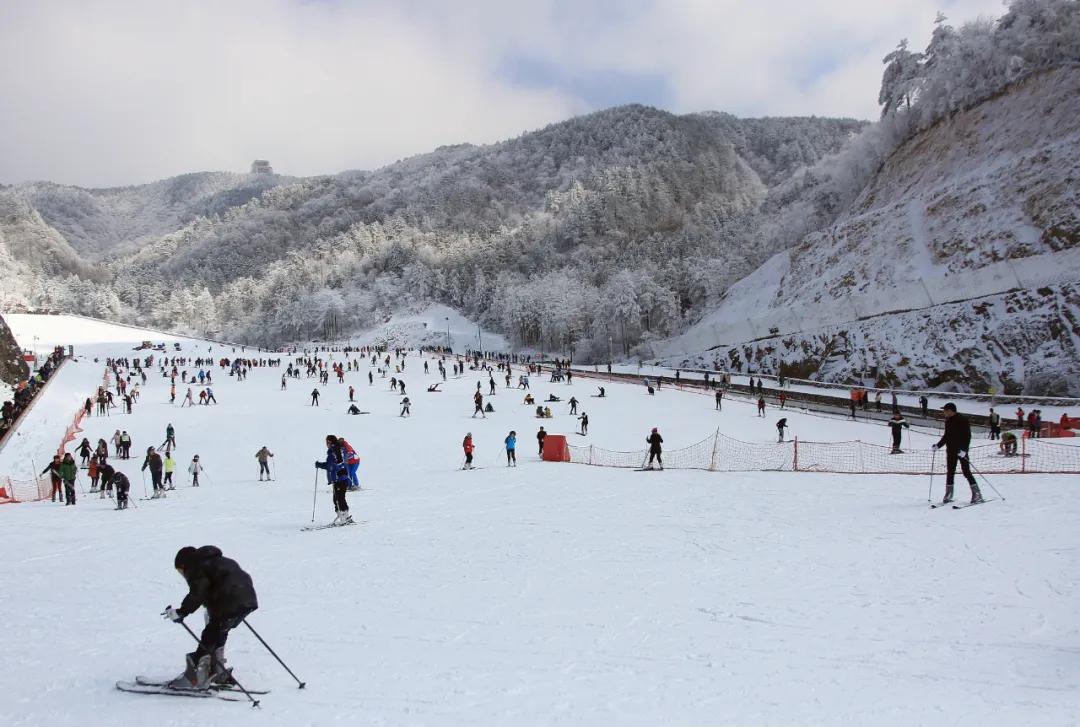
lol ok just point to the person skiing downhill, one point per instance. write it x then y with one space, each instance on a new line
314 397
170 468
654 440
226 591
957 440
264 455
194 469
780 427
584 418
337 474
153 461
467 445
511 447
897 424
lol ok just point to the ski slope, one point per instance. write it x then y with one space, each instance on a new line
548 594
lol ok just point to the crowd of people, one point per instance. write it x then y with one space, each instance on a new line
23 392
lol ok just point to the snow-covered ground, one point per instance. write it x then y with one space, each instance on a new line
546 594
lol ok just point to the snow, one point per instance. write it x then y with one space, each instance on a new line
542 595
431 326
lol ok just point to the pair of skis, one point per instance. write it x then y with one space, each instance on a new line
962 505
327 526
145 685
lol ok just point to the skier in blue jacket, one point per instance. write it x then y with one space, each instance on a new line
511 449
337 474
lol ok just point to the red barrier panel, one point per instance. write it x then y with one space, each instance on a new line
555 449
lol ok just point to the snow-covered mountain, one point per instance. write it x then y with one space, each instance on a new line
958 263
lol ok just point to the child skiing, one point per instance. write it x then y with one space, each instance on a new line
467 445
337 474
194 469
511 446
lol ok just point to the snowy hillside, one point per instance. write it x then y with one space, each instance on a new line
966 240
545 594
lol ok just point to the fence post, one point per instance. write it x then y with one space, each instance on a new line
796 464
1023 454
590 453
712 458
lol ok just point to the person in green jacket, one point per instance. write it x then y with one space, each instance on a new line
68 471
170 467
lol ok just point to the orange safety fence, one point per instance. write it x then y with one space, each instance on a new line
720 453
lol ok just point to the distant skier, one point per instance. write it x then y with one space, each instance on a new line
540 437
337 474
153 461
761 406
924 403
511 447
169 467
264 455
584 418
353 409
170 437
995 424
957 440
780 427
897 424
405 408
68 471
194 469
352 392
478 402
1008 444
222 587
352 461
573 405
314 397
654 440
719 399
467 445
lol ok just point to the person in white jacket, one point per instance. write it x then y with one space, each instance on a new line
194 469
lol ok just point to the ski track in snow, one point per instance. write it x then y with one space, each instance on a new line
549 594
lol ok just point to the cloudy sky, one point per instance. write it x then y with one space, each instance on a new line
112 92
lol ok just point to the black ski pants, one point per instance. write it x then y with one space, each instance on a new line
216 633
951 458
655 454
340 505
264 468
896 439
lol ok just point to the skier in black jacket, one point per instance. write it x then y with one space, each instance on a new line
221 586
897 424
654 441
956 441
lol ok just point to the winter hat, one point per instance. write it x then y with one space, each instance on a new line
185 557
654 429
949 407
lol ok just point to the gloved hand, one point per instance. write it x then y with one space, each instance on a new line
935 447
171 614
962 454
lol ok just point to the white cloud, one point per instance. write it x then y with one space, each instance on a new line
113 92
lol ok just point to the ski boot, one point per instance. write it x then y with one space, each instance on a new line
976 496
196 674
221 675
948 495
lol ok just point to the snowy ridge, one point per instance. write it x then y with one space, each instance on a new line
978 208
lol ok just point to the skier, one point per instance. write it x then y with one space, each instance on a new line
573 405
405 407
782 398
478 401
654 440
353 409
153 461
337 474
467 445
924 403
602 393
113 479
222 587
194 469
540 437
264 455
584 423
995 424
210 395
1019 418
352 460
283 383
352 391
68 471
170 467
84 451
188 400
314 397
1008 444
170 437
511 447
897 424
761 406
719 399
780 427
53 468
93 473
956 440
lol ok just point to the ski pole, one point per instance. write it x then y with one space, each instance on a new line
929 493
988 482
315 495
274 654
254 702
144 484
